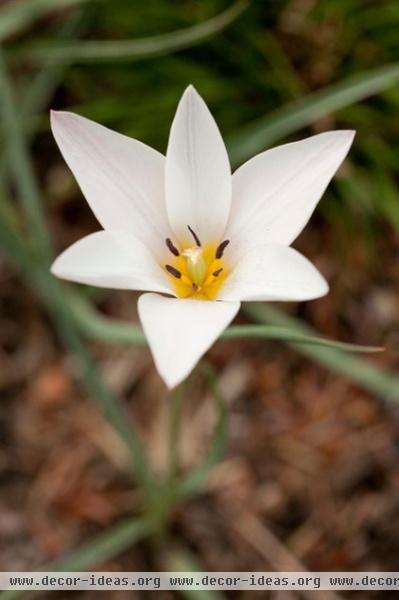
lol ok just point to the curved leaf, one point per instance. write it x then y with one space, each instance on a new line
93 324
19 14
375 379
107 545
263 132
111 50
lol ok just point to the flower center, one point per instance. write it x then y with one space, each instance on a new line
197 271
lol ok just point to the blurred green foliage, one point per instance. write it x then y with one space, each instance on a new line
273 54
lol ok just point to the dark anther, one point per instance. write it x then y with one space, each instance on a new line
195 236
221 248
173 271
171 247
217 272
194 286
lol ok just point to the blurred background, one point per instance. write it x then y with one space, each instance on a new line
310 476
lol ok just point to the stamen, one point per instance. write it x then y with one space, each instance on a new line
198 269
221 248
195 236
171 247
175 272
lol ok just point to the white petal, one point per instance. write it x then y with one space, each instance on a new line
112 260
275 193
198 175
121 178
273 273
180 331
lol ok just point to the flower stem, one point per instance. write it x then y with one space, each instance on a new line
193 482
176 405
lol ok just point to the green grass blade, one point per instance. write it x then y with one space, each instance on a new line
20 165
181 559
100 327
10 240
104 50
43 285
286 334
376 380
48 287
44 83
42 87
19 14
263 132
107 545
97 326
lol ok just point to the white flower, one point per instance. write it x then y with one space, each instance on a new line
184 227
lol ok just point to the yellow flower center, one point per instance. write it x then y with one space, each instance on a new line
197 271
